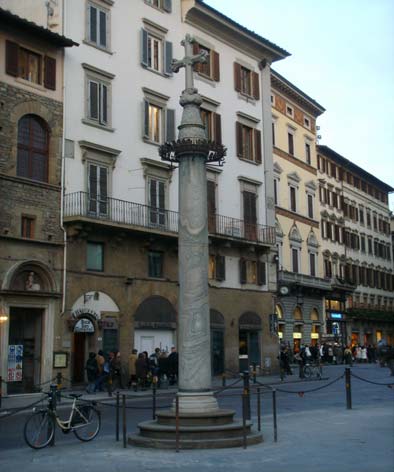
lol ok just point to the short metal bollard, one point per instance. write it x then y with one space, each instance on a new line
348 385
247 393
176 423
124 420
258 410
223 379
244 413
154 387
1 388
117 416
254 372
274 415
52 406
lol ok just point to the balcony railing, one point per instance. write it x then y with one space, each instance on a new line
144 216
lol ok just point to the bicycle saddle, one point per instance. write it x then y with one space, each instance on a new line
76 395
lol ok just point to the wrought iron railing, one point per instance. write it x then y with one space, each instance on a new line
144 216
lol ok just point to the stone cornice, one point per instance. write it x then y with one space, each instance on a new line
294 160
33 183
296 217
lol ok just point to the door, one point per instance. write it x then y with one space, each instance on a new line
25 336
157 202
250 215
98 190
249 345
79 358
217 352
211 200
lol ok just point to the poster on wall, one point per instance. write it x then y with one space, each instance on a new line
15 359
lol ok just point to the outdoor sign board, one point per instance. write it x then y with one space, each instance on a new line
15 360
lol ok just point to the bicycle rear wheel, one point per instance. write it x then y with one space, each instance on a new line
89 425
39 430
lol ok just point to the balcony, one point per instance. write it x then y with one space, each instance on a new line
302 280
79 206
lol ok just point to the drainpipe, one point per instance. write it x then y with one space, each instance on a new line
63 175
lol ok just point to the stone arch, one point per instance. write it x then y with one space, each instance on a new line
157 312
279 311
297 313
314 314
216 319
249 320
30 276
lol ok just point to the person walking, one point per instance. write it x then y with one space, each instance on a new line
91 372
132 372
101 374
141 370
348 356
116 371
173 366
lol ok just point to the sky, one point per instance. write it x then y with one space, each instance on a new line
342 55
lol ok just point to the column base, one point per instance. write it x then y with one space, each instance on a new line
196 402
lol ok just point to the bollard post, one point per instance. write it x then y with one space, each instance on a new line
154 385
247 393
59 386
274 415
124 420
244 413
258 409
117 416
109 385
1 388
348 386
223 379
177 423
52 406
254 372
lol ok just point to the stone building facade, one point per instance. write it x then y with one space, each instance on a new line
31 239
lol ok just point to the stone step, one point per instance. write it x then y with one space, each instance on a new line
152 429
218 443
220 417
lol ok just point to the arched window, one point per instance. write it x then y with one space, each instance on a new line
279 311
33 139
297 314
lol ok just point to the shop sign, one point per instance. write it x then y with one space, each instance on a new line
297 335
314 335
336 316
85 311
15 359
83 326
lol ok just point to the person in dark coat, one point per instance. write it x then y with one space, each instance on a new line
91 372
173 366
141 371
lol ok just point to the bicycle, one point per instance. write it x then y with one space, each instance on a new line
84 421
312 370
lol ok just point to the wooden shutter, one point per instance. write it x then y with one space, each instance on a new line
196 50
92 181
295 260
103 104
93 100
170 125
168 58
255 85
161 202
261 273
242 271
103 200
237 77
257 146
50 73
218 128
145 119
220 263
167 6
93 24
144 47
238 136
216 66
11 58
103 28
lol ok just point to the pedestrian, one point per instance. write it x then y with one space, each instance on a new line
348 356
101 374
116 371
91 372
330 354
358 354
141 370
364 355
163 369
173 366
132 373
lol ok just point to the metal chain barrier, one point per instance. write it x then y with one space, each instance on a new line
390 385
302 392
17 410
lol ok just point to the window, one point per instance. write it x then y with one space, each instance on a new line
370 246
156 53
159 122
165 5
293 198
276 191
248 143
213 126
335 200
155 264
98 26
210 69
252 272
250 214
27 227
308 153
362 243
310 205
33 144
361 215
327 268
307 122
217 268
368 218
97 189
95 256
98 97
290 141
157 193
30 65
294 258
246 82
273 132
289 110
312 264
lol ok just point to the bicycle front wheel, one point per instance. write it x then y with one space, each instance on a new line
89 426
307 372
39 430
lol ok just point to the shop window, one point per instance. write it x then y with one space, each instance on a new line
27 227
95 256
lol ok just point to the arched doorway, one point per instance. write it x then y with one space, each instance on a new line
155 325
315 333
217 342
249 337
281 322
298 329
84 329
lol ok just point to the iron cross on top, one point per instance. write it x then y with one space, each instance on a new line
189 60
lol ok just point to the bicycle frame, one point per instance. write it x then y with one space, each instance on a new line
66 424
